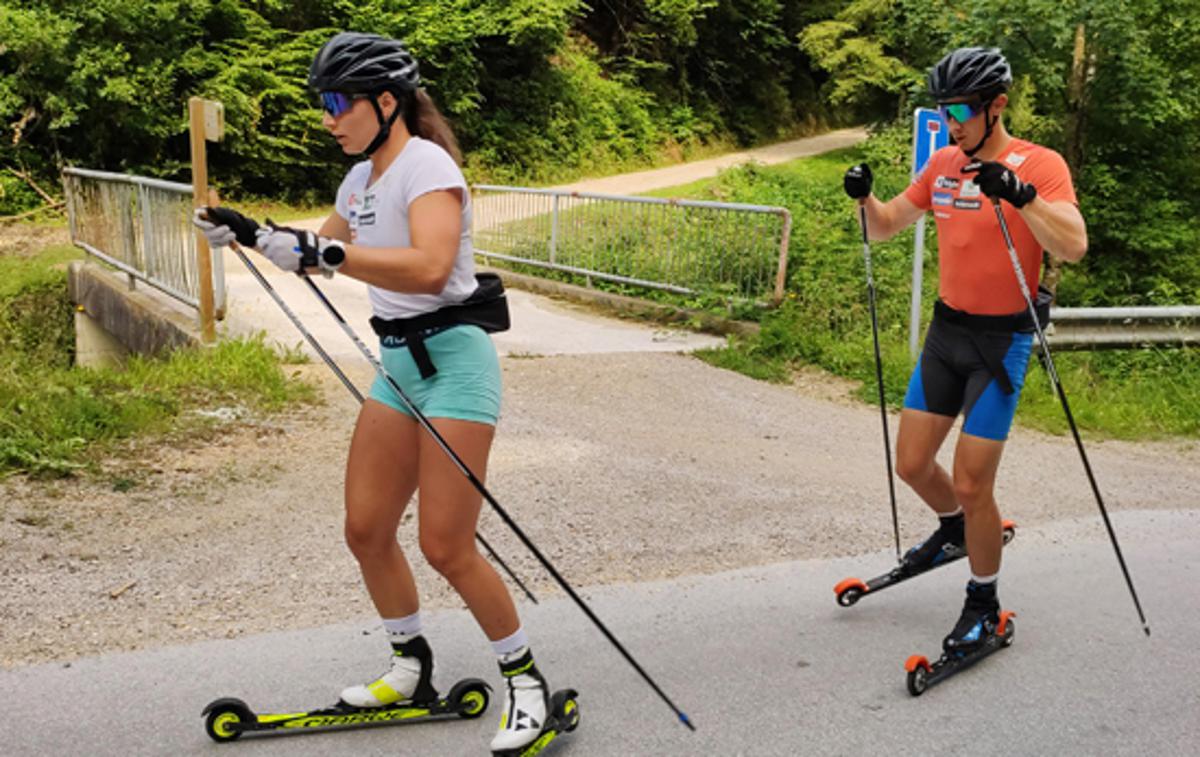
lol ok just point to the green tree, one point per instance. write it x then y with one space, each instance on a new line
536 89
1113 85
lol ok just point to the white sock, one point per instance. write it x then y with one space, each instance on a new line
956 513
984 580
514 642
401 630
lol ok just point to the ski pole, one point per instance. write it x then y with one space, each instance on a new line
1062 397
352 388
479 487
887 442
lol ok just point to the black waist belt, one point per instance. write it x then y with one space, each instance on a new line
977 326
487 308
1021 321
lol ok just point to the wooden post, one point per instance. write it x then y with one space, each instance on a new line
785 237
208 324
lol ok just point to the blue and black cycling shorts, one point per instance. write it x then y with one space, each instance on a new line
973 365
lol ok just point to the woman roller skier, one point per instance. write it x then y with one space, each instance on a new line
402 225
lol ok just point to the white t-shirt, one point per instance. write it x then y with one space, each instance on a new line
378 217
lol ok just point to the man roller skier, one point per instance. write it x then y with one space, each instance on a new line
978 345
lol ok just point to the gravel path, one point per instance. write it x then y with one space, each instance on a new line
619 466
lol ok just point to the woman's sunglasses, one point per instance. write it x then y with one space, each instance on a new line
960 112
337 103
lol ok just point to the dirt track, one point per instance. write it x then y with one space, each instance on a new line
622 467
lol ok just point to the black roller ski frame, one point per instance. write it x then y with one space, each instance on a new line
227 719
563 718
922 675
850 590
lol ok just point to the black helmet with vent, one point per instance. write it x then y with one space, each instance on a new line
357 63
981 71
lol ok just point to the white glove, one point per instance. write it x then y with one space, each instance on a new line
219 235
280 247
293 249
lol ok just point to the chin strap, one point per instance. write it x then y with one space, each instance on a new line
988 121
385 125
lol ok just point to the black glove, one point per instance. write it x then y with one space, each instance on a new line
1000 183
224 225
857 181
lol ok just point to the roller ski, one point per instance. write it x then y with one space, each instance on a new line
943 547
981 630
404 694
532 717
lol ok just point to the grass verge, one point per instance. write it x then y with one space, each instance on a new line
824 319
56 419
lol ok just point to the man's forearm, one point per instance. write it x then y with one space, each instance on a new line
1058 227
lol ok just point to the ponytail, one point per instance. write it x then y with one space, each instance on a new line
424 120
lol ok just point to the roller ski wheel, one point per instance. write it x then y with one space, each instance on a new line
470 697
563 718
922 674
227 719
850 590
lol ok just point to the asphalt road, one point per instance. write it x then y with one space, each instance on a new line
763 660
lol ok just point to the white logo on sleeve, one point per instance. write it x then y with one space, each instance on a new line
1014 159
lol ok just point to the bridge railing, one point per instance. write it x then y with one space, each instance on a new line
143 227
682 246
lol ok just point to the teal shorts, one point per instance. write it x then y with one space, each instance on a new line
466 385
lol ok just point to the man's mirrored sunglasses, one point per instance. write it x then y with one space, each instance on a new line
960 112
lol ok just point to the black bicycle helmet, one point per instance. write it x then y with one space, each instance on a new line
368 64
981 71
357 63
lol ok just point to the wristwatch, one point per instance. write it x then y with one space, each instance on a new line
332 257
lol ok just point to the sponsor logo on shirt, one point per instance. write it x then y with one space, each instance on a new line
1014 159
940 214
367 201
942 198
368 219
945 182
353 200
969 189
968 204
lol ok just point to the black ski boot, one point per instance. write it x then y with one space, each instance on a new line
978 622
948 541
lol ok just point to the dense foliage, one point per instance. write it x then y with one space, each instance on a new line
537 89
540 90
1113 85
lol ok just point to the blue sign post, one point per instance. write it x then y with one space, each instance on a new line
929 135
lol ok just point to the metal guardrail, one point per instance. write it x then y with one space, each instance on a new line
683 246
1122 328
143 227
